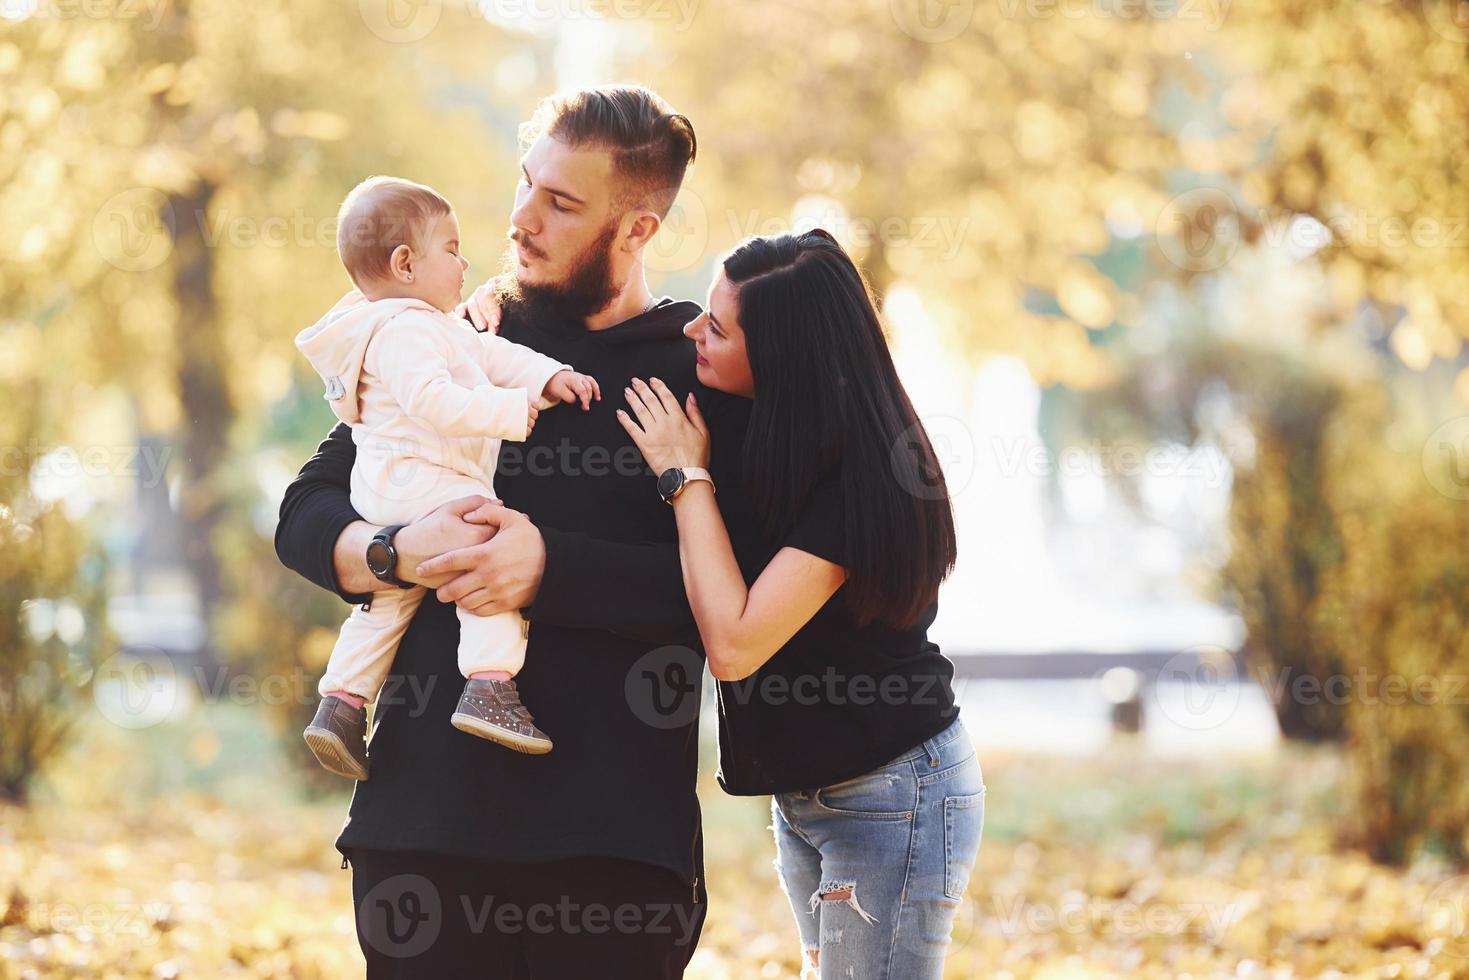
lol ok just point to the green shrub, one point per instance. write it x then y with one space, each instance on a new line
52 632
1398 609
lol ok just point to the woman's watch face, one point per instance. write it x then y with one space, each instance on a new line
669 481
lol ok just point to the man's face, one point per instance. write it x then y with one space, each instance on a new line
563 210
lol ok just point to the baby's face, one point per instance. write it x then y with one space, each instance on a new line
438 274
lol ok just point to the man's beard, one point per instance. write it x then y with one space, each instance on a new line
587 289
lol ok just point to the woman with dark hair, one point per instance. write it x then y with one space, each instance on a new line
814 604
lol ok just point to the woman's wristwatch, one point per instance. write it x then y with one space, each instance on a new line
672 481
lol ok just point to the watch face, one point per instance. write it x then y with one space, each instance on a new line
379 558
669 482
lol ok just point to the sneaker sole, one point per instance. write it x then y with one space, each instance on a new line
509 739
332 753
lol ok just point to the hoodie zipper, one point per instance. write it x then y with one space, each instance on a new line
694 847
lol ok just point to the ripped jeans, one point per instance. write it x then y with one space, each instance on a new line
891 851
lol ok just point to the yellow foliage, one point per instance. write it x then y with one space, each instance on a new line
189 886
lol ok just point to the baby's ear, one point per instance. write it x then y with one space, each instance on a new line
398 263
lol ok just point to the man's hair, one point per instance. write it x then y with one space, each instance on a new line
651 145
377 216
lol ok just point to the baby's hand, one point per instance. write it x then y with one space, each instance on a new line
569 386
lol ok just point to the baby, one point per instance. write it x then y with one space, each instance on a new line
429 399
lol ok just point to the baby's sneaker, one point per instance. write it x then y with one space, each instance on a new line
492 710
338 737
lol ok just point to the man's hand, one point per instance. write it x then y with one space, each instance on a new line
483 307
497 576
444 529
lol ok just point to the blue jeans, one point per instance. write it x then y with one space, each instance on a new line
895 846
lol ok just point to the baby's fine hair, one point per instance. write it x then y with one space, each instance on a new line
377 216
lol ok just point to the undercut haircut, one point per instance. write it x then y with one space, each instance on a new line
651 145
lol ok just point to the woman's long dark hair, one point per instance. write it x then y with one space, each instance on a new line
826 396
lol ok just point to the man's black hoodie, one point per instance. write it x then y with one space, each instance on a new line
620 781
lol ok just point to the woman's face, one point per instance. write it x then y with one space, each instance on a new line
720 342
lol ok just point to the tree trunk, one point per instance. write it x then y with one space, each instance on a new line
204 398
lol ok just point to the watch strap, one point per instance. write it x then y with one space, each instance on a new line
385 537
692 473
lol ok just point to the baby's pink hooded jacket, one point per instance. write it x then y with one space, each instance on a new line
419 386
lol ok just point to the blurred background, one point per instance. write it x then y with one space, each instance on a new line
1178 286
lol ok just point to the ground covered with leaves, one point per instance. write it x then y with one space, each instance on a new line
176 853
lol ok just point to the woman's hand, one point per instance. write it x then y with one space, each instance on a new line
666 436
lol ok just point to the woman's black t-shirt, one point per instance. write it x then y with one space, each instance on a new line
839 699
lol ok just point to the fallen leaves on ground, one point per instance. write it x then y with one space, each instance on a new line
1130 866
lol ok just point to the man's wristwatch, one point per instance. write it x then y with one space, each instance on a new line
672 481
382 557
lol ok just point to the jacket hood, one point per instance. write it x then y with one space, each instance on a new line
665 321
336 344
